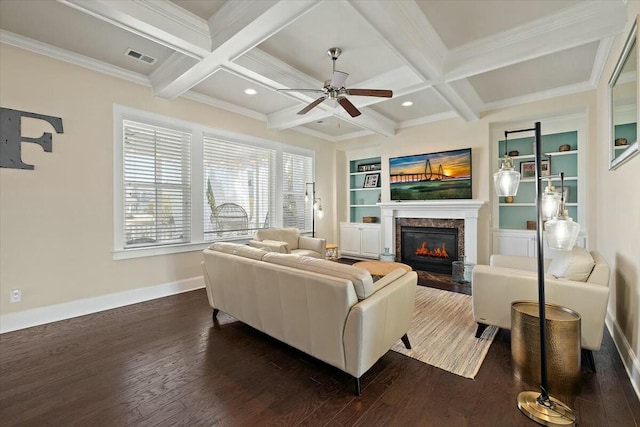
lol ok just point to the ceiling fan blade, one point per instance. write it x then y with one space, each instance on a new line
371 92
348 106
338 79
306 109
301 90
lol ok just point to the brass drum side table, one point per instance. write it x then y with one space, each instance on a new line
562 345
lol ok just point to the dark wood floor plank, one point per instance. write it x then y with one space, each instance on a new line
164 362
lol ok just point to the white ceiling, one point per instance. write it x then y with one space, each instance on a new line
449 58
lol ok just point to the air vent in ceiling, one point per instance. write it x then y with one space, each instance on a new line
139 56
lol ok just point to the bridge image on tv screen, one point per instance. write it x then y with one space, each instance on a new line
433 176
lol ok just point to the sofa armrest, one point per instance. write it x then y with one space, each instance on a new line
376 323
495 288
313 244
271 246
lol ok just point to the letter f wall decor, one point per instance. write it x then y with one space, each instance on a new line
11 136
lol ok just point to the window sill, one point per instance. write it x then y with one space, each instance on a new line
120 254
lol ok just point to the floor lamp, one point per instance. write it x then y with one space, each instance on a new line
561 233
317 205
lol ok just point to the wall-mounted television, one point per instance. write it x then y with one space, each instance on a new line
433 176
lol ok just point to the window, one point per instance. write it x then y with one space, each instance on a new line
180 185
296 173
239 188
156 185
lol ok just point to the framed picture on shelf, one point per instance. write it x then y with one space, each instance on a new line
369 167
528 169
371 180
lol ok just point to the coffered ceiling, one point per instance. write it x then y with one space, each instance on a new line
445 58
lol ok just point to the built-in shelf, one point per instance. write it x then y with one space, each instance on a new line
363 200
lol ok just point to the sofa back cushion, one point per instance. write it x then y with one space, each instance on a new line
575 264
238 249
361 279
288 235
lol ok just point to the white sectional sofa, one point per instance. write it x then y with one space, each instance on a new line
334 312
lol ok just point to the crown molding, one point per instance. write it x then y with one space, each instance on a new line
40 48
223 105
428 119
162 22
539 96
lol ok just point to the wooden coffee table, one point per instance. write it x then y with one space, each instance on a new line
381 268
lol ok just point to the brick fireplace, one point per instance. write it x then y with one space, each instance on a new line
461 214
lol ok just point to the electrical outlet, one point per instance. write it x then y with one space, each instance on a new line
16 295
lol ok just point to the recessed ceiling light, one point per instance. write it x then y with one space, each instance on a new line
407 104
250 91
320 121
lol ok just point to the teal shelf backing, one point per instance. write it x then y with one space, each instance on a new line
362 201
550 143
515 217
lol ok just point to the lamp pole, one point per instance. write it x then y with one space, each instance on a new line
542 408
313 201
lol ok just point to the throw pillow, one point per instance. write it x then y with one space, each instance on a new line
576 264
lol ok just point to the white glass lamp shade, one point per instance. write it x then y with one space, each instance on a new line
561 232
506 180
550 203
320 212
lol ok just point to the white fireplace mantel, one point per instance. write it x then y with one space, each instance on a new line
442 209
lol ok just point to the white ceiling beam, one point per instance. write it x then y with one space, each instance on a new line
270 21
577 25
289 117
163 22
371 120
405 29
418 44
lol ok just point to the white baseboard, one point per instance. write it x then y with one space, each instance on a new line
629 359
53 313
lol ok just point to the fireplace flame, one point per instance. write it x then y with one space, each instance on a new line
436 252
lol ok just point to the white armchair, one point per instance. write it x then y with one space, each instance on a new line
289 241
580 281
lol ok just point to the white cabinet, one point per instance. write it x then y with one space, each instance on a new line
360 240
514 242
523 242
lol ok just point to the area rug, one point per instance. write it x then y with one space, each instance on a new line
442 333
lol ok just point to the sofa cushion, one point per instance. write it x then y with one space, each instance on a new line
238 249
575 264
290 235
361 279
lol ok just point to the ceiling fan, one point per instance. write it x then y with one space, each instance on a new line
334 89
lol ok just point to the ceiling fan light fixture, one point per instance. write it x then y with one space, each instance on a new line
334 89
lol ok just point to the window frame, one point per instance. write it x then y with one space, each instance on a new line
197 131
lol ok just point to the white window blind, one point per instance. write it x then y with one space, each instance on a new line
296 173
156 185
239 186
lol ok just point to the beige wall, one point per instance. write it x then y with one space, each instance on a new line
618 218
56 222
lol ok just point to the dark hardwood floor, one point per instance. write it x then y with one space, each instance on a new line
165 363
